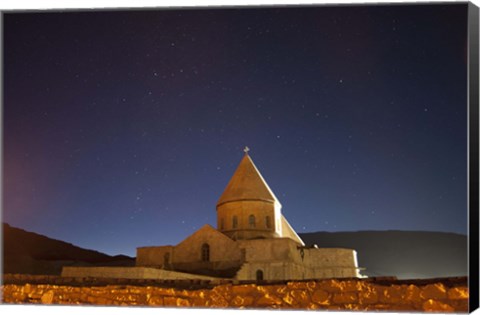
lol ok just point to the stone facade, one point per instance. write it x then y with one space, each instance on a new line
276 259
128 273
281 259
222 257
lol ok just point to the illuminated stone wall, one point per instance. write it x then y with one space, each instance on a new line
441 295
224 253
276 258
128 273
155 256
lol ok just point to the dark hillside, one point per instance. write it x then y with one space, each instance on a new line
404 254
31 253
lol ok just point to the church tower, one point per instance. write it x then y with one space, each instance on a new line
248 209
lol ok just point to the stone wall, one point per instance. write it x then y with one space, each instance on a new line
128 273
438 295
224 253
275 258
242 209
282 258
221 248
154 256
330 263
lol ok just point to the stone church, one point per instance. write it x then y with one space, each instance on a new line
252 241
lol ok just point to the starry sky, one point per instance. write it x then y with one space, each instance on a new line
121 129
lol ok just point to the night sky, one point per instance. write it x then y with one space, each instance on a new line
122 128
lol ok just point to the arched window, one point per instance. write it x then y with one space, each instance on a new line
166 259
222 224
235 222
268 223
251 221
205 252
259 275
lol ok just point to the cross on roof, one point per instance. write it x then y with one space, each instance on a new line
246 150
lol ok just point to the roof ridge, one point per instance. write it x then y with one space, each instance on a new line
247 183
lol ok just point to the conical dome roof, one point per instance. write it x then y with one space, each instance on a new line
247 184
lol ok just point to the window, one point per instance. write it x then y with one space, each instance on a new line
222 224
259 275
235 222
251 221
268 223
166 259
205 252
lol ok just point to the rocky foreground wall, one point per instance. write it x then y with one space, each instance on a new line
440 295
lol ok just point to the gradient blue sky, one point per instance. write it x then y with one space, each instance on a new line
122 128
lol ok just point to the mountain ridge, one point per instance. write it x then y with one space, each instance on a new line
403 254
39 254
